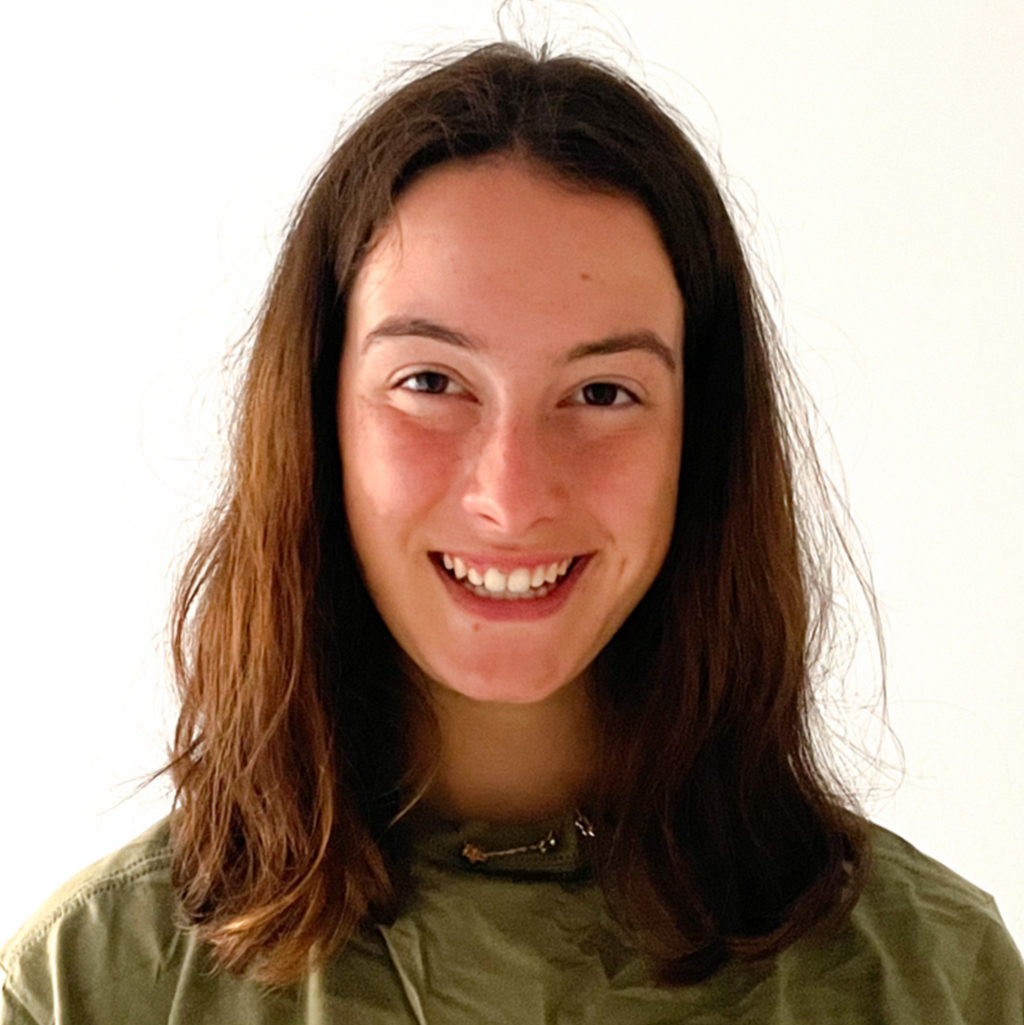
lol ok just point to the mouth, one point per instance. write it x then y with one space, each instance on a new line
527 582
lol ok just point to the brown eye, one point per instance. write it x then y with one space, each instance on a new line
601 393
429 381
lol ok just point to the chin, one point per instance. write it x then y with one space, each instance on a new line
503 687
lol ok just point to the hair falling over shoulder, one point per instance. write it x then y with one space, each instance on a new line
720 834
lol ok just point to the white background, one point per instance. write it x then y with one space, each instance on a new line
151 156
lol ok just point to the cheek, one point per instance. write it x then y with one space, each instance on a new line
632 484
394 468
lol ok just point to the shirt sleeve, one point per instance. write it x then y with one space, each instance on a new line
996 996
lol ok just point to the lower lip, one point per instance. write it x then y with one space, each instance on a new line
520 609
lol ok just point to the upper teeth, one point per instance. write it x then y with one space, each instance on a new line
518 581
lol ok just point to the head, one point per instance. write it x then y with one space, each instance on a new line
291 679
592 137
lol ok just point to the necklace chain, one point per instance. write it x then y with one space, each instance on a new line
475 854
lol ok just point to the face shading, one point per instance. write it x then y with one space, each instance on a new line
510 419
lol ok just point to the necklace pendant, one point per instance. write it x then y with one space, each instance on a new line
474 854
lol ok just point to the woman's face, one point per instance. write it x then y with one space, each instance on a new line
510 418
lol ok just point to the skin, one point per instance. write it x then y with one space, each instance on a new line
511 393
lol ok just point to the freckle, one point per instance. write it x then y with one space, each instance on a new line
585 276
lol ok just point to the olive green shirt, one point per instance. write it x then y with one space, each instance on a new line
516 940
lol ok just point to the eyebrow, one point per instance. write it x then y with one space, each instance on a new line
642 340
401 327
645 341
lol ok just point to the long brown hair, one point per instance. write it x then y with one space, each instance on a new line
719 835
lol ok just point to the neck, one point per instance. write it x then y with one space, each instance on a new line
512 762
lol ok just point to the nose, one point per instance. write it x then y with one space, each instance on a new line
515 481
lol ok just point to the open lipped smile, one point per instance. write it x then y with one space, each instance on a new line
527 581
533 588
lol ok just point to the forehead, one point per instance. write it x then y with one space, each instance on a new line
521 197
502 233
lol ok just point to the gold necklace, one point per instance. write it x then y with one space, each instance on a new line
475 854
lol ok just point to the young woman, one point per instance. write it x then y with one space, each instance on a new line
496 659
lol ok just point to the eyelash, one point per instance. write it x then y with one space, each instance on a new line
438 378
631 399
441 383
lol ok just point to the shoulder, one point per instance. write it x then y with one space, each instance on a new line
142 866
924 944
118 915
907 890
111 946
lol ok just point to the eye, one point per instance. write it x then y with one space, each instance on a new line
430 382
604 393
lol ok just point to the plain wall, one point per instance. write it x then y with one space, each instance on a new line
153 153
